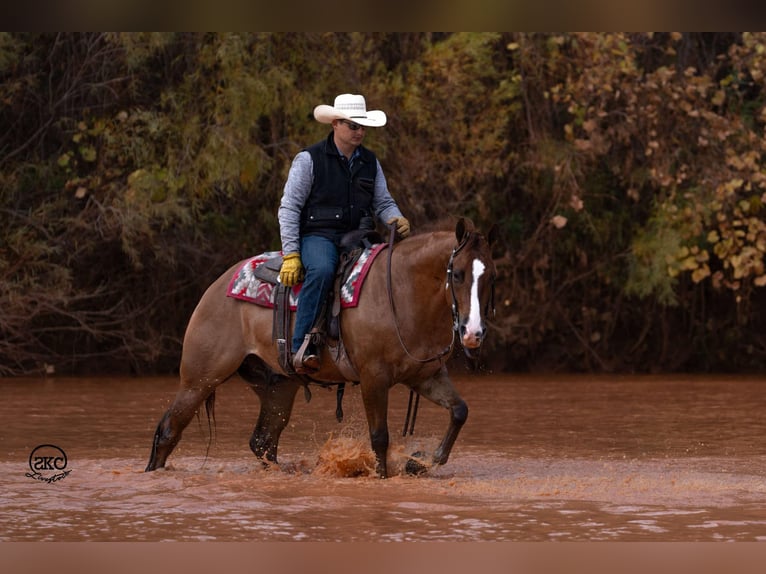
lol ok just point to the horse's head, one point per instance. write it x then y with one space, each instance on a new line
471 283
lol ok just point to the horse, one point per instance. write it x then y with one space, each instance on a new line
435 287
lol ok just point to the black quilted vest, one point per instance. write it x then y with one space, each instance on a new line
340 200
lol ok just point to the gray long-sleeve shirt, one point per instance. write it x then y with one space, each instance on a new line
298 188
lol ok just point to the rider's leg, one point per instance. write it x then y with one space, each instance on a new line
319 256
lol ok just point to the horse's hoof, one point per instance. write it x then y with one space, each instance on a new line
414 466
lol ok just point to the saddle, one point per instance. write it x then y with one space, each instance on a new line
326 330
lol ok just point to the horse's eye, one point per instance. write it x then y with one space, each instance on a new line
458 276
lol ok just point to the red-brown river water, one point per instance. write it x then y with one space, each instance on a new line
541 458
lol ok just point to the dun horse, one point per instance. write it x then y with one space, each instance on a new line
433 288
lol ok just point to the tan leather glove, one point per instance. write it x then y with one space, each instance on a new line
402 226
291 272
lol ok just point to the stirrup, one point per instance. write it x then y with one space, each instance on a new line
308 360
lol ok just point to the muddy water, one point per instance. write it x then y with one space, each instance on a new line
540 459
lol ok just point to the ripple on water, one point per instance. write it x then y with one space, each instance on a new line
539 459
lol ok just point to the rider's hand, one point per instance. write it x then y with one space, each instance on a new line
291 272
402 226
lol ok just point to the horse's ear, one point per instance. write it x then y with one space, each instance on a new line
460 229
493 235
463 227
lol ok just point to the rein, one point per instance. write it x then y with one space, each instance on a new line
455 316
412 409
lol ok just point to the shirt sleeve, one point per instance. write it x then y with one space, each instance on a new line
294 196
383 203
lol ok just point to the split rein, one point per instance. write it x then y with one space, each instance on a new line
412 409
455 316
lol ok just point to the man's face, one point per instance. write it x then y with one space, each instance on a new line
348 133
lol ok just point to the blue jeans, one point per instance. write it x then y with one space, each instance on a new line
319 256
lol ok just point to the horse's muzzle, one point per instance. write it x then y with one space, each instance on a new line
472 338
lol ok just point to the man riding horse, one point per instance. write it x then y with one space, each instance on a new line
333 187
398 332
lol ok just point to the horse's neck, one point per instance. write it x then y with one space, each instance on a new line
420 277
425 259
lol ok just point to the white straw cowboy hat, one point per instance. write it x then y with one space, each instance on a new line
351 107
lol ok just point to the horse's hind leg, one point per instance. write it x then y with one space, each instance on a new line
173 422
440 390
276 394
203 368
185 405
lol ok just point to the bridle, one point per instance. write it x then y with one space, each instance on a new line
454 307
490 308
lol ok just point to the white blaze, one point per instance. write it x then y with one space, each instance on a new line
474 313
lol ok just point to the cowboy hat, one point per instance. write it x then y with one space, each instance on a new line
350 107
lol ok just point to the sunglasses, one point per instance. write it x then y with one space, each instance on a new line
352 126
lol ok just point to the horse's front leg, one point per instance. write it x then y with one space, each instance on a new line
440 390
375 400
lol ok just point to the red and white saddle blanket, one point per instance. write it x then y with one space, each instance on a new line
246 286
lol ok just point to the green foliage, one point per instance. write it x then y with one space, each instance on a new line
652 274
454 109
8 51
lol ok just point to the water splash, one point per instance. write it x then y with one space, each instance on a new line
345 457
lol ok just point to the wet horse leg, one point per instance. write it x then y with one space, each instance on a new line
204 366
375 400
185 405
277 396
440 390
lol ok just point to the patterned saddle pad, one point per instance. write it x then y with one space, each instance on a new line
246 286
